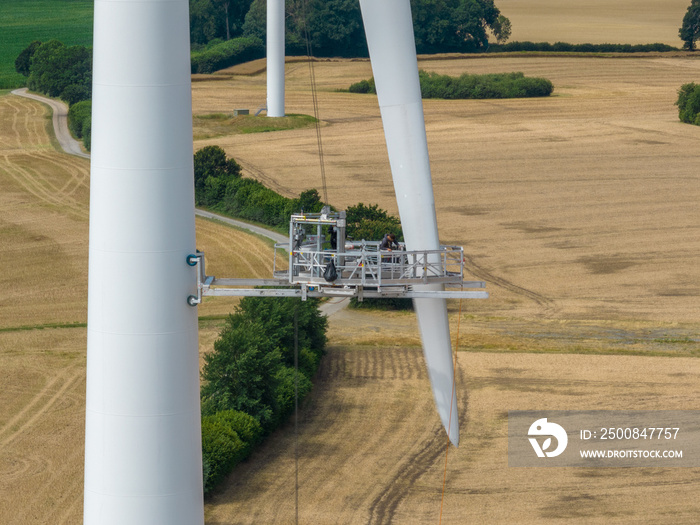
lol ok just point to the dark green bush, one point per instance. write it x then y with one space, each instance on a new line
278 315
363 86
689 103
240 374
227 54
75 93
23 61
212 170
78 115
247 427
87 134
222 449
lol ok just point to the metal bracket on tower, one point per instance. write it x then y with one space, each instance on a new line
203 281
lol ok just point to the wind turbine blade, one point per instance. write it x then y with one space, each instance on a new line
389 30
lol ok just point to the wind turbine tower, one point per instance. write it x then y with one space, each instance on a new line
143 462
275 58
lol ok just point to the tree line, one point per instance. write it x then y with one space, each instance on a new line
265 358
219 186
334 27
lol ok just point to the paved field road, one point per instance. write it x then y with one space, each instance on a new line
60 123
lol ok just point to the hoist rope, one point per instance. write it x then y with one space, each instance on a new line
314 97
449 421
296 413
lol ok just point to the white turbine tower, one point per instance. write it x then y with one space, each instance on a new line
143 461
392 50
275 58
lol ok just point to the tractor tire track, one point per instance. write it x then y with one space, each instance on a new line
73 511
42 189
384 506
45 407
259 175
216 239
547 304
29 406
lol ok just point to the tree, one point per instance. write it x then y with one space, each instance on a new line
278 315
459 26
54 67
501 29
335 28
23 61
690 30
309 201
371 223
241 372
217 19
255 23
234 12
212 171
203 21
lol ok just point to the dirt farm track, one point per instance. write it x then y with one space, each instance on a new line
580 211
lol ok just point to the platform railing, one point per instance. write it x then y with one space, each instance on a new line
363 264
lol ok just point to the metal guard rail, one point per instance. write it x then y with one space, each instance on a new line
369 267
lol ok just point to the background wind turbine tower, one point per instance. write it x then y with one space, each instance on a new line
275 58
143 449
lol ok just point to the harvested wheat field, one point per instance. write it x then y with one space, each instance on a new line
43 309
581 205
595 21
579 210
370 448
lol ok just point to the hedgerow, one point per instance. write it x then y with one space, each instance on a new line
498 85
220 187
79 118
227 54
249 381
564 47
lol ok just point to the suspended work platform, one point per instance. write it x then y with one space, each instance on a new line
318 261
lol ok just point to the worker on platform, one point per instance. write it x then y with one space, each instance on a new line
389 242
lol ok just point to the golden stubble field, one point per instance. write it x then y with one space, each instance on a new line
581 213
595 21
43 309
578 206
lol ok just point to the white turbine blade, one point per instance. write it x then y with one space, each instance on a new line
389 30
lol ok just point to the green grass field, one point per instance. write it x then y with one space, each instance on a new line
69 21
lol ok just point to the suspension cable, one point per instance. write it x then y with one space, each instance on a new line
296 413
314 96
